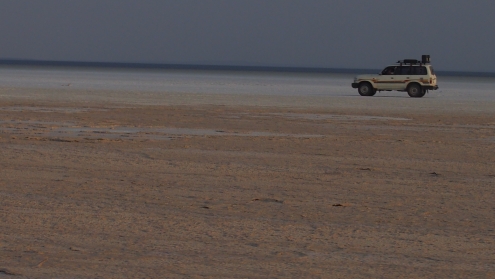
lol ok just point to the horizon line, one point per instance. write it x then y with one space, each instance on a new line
176 66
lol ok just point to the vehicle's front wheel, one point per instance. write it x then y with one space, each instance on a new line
365 89
415 91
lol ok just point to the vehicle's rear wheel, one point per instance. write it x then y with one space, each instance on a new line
415 91
365 89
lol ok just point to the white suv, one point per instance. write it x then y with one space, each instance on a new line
410 75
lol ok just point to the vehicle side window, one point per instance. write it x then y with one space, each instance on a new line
389 70
420 70
403 70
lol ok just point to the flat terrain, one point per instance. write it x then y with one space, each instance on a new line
222 186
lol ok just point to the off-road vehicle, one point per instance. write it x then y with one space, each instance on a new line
410 75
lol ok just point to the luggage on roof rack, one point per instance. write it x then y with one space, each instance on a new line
425 59
410 61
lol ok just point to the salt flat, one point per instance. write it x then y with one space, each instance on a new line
204 182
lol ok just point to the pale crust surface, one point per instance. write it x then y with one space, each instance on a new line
115 189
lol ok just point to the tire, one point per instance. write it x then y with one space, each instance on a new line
365 89
415 91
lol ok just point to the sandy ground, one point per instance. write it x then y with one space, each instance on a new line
97 185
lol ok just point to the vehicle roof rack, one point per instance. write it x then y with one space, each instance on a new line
425 59
408 61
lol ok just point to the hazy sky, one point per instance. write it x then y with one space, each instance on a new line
459 35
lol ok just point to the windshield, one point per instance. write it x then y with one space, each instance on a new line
432 71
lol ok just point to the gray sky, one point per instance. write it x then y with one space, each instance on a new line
459 35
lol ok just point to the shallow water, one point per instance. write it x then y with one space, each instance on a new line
196 81
145 86
175 81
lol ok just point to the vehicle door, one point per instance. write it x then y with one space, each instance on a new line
387 78
432 76
420 75
402 77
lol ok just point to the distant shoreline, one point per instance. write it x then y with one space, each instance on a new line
80 64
